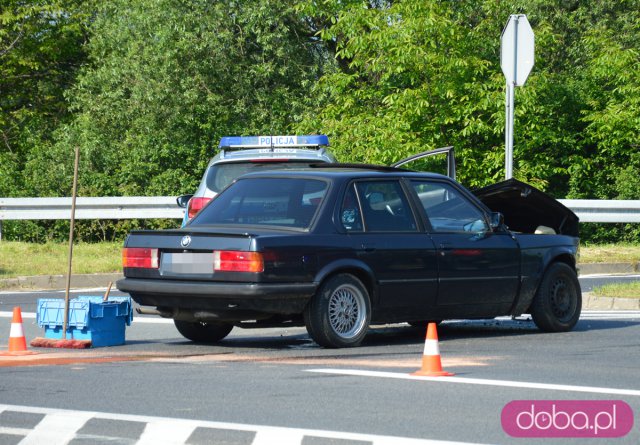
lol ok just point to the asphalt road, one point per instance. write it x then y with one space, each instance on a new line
276 386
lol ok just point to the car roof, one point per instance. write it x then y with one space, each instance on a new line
293 154
285 154
349 171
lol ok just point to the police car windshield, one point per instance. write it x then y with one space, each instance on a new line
221 175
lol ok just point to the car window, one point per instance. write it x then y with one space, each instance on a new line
221 175
350 216
286 202
447 210
385 207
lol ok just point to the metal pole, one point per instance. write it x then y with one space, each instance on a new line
510 103
71 229
508 161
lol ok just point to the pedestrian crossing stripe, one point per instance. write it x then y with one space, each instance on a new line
61 426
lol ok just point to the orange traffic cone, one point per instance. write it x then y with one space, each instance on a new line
431 364
17 341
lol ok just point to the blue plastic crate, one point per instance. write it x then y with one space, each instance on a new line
90 318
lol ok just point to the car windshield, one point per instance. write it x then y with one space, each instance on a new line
221 175
283 202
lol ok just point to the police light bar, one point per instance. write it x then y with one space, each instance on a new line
273 141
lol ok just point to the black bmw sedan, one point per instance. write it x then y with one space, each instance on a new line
338 248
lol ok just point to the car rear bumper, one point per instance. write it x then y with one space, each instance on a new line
289 298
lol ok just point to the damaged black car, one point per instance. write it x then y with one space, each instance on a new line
337 248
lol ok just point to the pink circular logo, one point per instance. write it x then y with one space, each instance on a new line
567 418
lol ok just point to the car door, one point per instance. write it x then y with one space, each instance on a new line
385 233
478 268
429 156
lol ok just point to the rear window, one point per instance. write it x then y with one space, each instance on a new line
283 202
221 175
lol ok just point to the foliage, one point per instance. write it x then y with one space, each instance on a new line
146 88
426 74
84 230
167 79
41 50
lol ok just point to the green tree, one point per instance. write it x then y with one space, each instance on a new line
611 112
40 54
417 75
166 79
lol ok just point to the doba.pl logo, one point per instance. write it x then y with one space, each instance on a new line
567 418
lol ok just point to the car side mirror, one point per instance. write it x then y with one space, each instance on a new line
496 220
183 200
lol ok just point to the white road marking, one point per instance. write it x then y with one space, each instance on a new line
292 437
609 315
470 381
14 431
611 318
595 276
166 433
604 313
59 426
24 315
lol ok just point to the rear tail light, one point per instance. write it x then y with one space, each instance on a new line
195 205
237 261
140 257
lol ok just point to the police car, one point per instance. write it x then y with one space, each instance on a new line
244 154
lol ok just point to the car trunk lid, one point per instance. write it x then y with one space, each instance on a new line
189 254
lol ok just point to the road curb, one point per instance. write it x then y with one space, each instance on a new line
608 268
592 302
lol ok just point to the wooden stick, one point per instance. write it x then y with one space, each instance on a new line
106 294
71 229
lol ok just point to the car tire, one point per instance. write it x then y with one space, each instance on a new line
338 316
557 304
203 332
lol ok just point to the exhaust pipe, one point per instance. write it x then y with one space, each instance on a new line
148 311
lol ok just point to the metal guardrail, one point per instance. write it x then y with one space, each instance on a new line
149 207
122 207
605 211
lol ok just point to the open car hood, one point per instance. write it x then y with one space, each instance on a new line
525 208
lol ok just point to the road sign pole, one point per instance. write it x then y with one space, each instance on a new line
508 133
511 91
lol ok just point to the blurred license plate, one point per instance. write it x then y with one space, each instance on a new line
186 263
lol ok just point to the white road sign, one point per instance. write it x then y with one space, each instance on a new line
517 50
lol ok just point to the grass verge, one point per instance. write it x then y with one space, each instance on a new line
610 253
25 259
619 290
